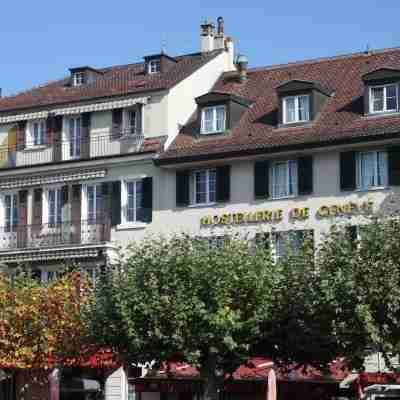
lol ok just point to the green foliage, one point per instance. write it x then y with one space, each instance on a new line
181 299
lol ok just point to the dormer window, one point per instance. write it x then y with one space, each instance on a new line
154 66
383 98
213 119
296 109
78 78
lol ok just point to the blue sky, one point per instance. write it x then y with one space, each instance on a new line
41 39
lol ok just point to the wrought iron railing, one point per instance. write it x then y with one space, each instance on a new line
119 141
54 234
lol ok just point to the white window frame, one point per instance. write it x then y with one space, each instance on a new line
46 207
47 276
296 109
126 121
79 78
385 176
30 133
13 227
96 187
68 138
384 110
295 183
154 66
125 204
193 185
214 120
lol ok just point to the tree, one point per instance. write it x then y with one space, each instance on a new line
181 299
361 285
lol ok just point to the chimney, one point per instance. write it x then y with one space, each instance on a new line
219 40
242 62
207 36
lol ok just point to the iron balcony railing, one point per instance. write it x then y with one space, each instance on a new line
119 141
95 231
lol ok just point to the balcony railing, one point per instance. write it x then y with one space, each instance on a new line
53 235
121 141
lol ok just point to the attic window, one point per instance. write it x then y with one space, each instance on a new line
213 119
154 66
78 78
383 98
296 109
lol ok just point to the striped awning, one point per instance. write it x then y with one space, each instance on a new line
110 105
23 117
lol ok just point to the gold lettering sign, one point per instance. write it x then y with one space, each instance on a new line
346 209
242 218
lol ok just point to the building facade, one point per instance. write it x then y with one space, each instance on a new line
196 144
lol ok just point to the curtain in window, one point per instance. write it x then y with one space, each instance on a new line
304 108
377 99
290 110
11 211
220 119
208 120
382 168
55 206
280 180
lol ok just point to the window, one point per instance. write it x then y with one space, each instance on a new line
289 242
94 203
213 119
372 169
48 276
11 212
204 184
283 179
74 137
134 209
154 66
79 78
296 109
55 206
36 133
383 99
132 121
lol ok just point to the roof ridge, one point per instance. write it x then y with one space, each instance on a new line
324 59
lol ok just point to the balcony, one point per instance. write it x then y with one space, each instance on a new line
41 236
117 143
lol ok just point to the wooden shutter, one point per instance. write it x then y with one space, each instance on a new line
76 213
22 218
85 136
139 119
147 199
394 166
261 179
116 203
21 135
223 183
57 138
182 188
48 136
348 170
305 175
117 123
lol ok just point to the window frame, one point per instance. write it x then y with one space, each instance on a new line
193 189
154 66
293 181
214 130
384 110
58 207
79 78
288 240
385 176
97 208
135 209
30 133
74 139
297 120
126 121
13 220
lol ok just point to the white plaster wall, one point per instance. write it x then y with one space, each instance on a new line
167 218
181 99
155 114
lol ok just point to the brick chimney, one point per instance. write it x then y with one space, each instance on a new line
207 36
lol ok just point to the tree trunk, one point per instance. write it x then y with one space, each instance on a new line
211 380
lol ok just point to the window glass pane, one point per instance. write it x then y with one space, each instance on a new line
377 99
391 98
367 170
132 122
91 205
78 137
212 183
280 180
208 117
290 114
292 165
280 245
304 108
382 168
220 123
201 187
52 206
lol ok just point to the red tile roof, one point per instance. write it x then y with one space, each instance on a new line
340 119
114 81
